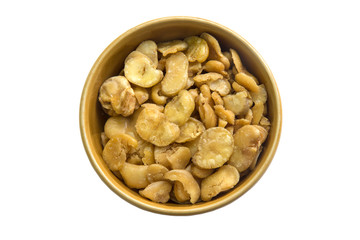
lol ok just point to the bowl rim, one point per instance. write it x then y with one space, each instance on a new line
162 208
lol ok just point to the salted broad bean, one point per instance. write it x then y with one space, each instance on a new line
185 119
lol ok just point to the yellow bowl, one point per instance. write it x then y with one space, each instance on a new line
110 63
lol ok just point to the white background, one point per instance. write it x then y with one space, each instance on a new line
48 187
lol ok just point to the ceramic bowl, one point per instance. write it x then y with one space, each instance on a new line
110 63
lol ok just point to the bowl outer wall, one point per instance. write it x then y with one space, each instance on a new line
110 62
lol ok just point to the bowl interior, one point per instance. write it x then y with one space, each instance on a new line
110 63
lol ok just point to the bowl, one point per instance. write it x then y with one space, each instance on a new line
110 63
